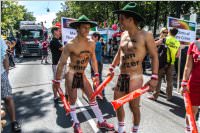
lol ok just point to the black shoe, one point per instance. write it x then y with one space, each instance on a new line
56 100
16 127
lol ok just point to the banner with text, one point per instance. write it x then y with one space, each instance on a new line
67 32
186 29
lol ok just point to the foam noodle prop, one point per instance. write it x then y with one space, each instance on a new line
102 86
64 101
189 113
133 95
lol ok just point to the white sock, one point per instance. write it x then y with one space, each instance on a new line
135 129
187 129
73 113
97 111
121 126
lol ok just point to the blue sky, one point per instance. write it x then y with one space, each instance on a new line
39 9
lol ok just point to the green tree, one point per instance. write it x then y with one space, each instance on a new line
12 14
102 10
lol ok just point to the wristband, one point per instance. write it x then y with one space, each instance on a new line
184 83
96 74
112 67
56 81
154 76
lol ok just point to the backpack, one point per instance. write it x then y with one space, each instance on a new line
162 54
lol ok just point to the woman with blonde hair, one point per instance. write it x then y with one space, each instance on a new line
163 32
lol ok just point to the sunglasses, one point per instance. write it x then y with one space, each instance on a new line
165 32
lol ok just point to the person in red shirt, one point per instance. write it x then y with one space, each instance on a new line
44 51
191 78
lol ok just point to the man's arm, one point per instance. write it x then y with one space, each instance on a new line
151 47
93 59
62 62
116 60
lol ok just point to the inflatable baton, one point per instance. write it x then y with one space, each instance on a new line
133 95
189 113
64 101
102 86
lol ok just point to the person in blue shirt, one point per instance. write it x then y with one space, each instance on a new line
98 52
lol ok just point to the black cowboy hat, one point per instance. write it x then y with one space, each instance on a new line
130 9
82 20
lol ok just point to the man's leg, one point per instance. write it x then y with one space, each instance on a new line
169 77
53 86
100 68
120 112
94 105
135 83
72 95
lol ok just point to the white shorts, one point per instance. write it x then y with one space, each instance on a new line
54 69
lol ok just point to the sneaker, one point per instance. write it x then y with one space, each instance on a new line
105 125
16 127
77 128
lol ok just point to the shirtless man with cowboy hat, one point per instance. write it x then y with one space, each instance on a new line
80 50
134 45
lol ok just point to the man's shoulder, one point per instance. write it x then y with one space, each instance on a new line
146 33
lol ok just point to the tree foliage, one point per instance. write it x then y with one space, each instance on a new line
12 14
101 11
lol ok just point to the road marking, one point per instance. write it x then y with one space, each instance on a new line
87 115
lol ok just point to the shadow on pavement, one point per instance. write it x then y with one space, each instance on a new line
29 107
62 119
179 107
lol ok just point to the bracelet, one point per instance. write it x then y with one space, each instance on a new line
112 67
96 74
154 76
56 81
184 83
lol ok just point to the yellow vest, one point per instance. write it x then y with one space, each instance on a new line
173 46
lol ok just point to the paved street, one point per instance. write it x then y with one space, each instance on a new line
31 82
